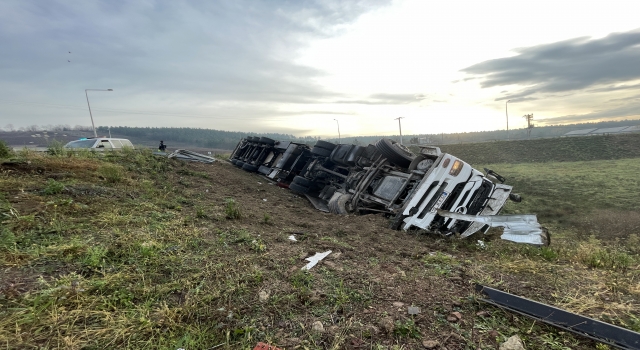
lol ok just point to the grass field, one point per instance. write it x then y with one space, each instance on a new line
562 149
596 197
134 251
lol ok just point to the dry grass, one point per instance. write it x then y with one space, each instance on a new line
160 259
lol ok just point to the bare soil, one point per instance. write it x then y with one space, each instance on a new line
360 293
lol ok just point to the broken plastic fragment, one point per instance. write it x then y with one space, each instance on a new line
293 238
313 260
517 228
413 310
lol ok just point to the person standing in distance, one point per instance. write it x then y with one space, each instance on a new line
162 146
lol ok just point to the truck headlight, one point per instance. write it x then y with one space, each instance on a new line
456 168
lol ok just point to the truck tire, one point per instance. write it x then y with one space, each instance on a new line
326 145
298 188
263 169
338 204
395 152
397 221
249 167
267 141
302 181
233 161
239 164
319 151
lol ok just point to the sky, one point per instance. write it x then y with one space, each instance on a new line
305 67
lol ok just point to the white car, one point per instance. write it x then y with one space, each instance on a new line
100 143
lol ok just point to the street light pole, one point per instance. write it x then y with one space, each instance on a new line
400 127
91 115
506 111
337 122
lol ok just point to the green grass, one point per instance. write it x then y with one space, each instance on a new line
130 257
565 149
570 192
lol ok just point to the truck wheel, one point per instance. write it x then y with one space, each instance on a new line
302 181
397 221
239 164
249 167
319 151
326 145
298 188
338 204
395 152
263 169
267 141
233 161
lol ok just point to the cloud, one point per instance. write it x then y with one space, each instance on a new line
385 99
564 66
628 110
168 53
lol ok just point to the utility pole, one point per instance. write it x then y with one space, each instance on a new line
400 127
90 114
530 125
507 113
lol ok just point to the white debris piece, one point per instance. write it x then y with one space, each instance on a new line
187 155
293 238
481 244
517 228
264 199
313 260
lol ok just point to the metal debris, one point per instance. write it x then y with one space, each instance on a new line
517 228
187 155
313 260
603 332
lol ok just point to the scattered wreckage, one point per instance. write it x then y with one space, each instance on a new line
186 155
432 190
618 337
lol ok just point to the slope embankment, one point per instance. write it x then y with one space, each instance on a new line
566 149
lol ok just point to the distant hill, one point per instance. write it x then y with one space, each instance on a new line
493 135
565 149
219 140
206 138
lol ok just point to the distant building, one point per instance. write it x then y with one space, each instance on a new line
604 131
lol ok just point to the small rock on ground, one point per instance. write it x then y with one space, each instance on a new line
513 343
318 327
430 344
387 324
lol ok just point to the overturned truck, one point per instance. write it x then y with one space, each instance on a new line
433 191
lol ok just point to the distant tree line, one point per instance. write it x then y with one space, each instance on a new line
49 127
208 138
